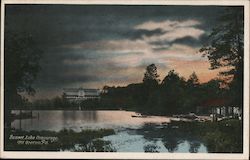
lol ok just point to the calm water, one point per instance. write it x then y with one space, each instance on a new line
78 120
131 135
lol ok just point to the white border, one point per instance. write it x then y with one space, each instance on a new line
93 155
2 80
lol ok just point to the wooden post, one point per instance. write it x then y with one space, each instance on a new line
232 110
214 109
226 111
20 119
213 114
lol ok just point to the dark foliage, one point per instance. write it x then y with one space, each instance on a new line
21 59
225 48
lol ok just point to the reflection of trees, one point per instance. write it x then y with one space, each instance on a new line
219 137
171 143
90 116
171 138
151 148
194 146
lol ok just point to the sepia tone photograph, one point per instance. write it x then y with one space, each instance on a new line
125 78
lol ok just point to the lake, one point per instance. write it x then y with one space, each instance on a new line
133 134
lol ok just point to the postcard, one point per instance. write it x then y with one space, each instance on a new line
125 79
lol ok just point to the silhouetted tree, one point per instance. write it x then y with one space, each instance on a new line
151 76
192 93
225 48
150 86
193 80
172 78
172 89
22 57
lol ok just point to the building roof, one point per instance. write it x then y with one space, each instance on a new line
215 102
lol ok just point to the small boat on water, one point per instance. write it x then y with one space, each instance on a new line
139 115
190 116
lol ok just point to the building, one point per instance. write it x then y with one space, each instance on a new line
81 94
219 107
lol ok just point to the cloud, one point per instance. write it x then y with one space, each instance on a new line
123 61
127 53
118 46
167 25
172 29
140 33
96 45
188 41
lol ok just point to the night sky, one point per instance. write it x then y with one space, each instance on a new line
91 46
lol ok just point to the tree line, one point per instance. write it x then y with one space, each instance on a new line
173 95
224 48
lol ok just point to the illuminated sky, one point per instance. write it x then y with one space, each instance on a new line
92 46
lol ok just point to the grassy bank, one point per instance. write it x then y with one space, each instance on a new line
222 137
64 140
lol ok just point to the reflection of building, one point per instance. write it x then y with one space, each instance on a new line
80 94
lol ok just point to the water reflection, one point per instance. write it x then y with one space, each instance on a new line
55 120
77 120
173 139
132 134
171 144
194 146
151 148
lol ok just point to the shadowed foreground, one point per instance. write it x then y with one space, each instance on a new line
218 137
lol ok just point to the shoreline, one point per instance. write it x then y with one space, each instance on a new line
176 117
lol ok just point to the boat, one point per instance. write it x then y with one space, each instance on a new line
138 115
